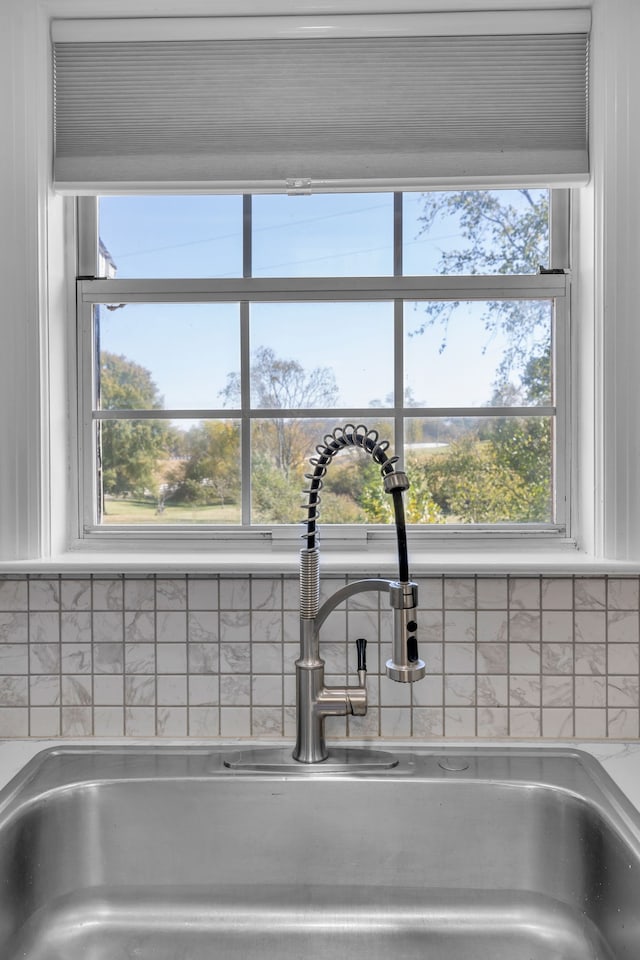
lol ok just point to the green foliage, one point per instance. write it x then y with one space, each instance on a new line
342 509
420 503
350 471
126 385
524 444
275 496
501 479
210 471
130 449
523 447
278 499
469 484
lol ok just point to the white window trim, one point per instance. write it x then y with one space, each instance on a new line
37 505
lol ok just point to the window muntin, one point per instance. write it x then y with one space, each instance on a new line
309 311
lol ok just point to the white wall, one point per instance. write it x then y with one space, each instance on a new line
20 296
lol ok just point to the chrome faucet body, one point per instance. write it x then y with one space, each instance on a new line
315 701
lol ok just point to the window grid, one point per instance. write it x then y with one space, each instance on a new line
247 290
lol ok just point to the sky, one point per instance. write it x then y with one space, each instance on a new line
191 348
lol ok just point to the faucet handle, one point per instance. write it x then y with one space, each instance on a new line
361 646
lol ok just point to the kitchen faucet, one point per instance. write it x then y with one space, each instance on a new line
315 701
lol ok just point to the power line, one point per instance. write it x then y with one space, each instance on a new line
352 253
238 233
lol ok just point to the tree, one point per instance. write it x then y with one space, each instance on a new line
281 445
278 383
492 471
125 385
501 471
210 468
497 236
130 449
419 505
502 235
523 444
469 484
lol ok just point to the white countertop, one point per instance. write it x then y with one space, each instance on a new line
621 759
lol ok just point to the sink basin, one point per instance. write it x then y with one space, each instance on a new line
191 854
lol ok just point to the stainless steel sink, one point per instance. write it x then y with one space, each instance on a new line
165 854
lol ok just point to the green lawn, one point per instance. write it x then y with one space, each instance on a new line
128 510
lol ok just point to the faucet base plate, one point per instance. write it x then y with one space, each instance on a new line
340 760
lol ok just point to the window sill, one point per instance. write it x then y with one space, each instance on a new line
530 558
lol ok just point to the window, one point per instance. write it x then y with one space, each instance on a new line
38 510
224 336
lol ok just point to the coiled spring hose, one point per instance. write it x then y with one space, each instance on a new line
395 482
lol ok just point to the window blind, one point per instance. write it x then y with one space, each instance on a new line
222 106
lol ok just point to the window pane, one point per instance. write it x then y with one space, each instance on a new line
478 353
321 355
476 232
352 491
161 471
290 372
181 236
323 235
479 470
172 356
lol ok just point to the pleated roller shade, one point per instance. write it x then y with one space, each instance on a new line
324 111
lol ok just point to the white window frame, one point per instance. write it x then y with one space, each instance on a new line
396 290
38 501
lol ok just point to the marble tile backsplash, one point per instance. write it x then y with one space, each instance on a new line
214 657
